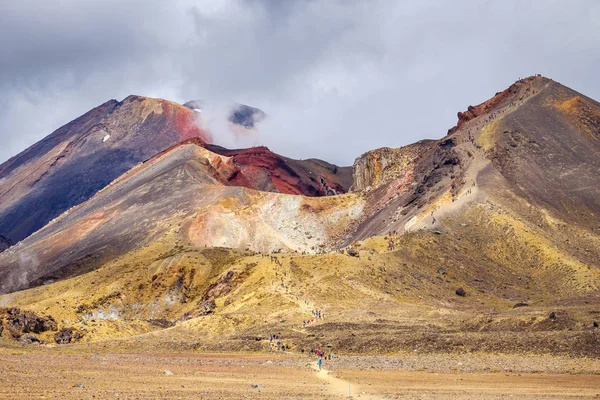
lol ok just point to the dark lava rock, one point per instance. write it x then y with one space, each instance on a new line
161 323
64 336
553 316
17 322
596 324
461 292
29 338
353 252
441 271
521 304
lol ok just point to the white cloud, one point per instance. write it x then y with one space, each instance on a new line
337 78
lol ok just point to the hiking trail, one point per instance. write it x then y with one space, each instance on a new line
342 387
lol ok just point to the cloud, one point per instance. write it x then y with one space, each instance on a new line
337 78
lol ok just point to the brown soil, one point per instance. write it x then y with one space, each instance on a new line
66 374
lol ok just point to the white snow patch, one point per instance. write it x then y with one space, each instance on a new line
105 138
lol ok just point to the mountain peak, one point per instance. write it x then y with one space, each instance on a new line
239 114
511 96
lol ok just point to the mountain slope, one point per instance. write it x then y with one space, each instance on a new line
185 191
82 157
529 143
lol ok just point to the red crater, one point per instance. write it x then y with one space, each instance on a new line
262 169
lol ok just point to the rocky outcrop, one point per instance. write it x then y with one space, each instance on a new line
66 336
379 166
18 324
223 286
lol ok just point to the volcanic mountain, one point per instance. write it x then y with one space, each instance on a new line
484 240
79 159
82 157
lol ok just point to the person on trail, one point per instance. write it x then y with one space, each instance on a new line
319 363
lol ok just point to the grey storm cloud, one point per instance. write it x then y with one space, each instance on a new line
337 78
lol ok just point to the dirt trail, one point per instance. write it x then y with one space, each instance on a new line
342 387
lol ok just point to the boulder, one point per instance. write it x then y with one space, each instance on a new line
353 252
29 338
461 292
64 336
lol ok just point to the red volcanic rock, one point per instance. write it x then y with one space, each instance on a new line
485 107
262 169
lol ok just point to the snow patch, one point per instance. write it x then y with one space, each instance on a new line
105 138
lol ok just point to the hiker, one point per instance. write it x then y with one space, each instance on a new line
319 363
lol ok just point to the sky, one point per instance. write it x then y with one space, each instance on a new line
336 78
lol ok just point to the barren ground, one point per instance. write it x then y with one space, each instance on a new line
69 373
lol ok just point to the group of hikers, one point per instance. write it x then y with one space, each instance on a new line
317 314
469 191
322 356
275 341
494 115
275 344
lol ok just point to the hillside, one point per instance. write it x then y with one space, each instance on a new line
485 240
186 192
77 160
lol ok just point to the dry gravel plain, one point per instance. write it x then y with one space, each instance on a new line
39 373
